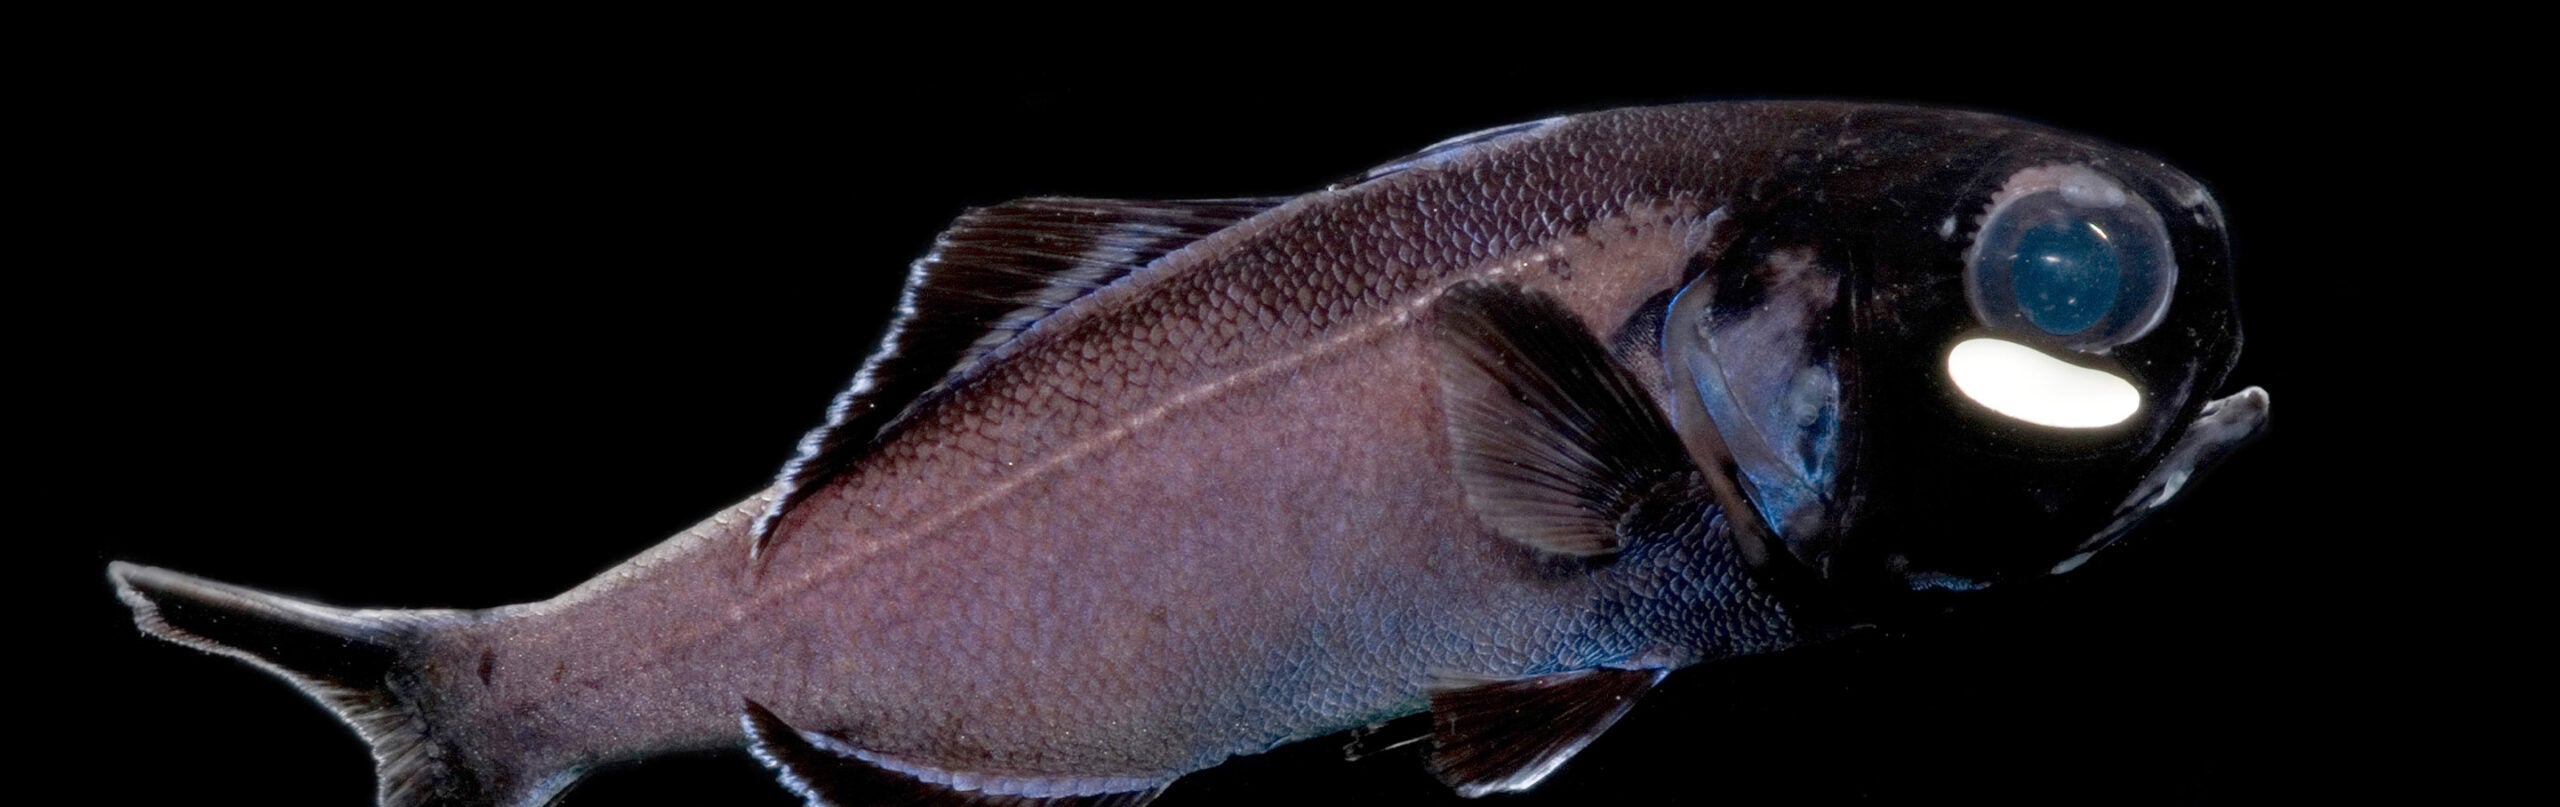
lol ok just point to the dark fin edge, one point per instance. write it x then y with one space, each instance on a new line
1556 445
825 778
353 662
1497 736
996 272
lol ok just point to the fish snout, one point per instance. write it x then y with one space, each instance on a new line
2222 426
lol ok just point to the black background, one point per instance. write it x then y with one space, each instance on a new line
411 320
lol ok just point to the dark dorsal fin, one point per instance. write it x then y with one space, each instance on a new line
992 275
828 778
1496 736
1556 445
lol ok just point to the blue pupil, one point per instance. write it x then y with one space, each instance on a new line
2065 275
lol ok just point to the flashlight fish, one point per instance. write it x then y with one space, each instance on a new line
1502 433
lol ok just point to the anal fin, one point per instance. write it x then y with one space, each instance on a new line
1379 738
1498 736
827 777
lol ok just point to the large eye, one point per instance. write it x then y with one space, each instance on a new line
2067 253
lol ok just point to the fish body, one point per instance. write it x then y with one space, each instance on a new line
1552 409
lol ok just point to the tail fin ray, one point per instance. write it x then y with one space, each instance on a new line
354 661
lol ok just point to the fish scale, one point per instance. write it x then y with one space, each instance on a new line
1375 450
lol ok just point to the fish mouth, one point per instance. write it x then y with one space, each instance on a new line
2223 425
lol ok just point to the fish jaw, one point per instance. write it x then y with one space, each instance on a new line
1646 657
2219 429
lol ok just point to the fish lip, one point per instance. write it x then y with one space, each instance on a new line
2224 424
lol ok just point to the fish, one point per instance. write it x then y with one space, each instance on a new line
1603 322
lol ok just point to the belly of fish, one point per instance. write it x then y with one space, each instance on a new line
1287 559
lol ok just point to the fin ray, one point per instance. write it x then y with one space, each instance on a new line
823 771
1386 736
1556 445
355 662
993 275
1507 735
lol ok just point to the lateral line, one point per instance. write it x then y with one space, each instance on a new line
771 589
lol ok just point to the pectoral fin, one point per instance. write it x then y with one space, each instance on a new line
827 773
1497 736
1556 444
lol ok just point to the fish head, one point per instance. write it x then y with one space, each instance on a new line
1939 352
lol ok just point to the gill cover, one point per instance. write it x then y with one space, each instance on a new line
1751 351
1816 346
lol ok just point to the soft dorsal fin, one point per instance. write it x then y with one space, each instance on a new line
1556 445
1496 736
996 272
827 777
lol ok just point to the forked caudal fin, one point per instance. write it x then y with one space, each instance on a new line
359 663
